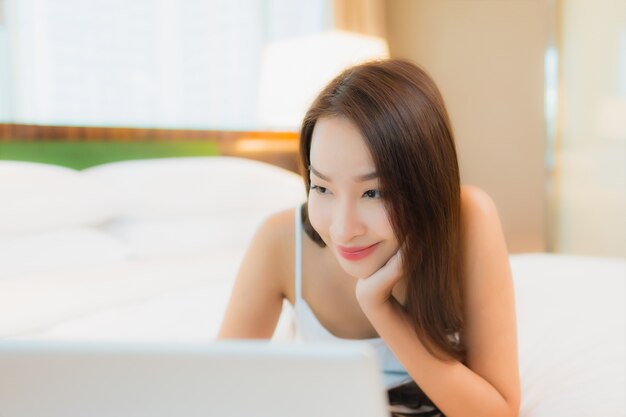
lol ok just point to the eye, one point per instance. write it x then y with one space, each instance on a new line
318 189
372 194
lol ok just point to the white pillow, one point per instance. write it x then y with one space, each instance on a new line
55 250
187 236
203 186
40 196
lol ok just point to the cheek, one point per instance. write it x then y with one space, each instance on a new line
319 215
378 220
386 225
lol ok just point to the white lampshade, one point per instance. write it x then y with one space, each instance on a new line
293 71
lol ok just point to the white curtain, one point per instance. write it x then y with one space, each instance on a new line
591 130
152 63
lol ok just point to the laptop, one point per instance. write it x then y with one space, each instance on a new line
222 379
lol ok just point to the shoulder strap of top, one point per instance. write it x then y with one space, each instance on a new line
298 263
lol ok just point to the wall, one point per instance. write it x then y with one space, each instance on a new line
487 58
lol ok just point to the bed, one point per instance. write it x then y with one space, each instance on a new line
147 250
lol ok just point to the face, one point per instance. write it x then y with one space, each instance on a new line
345 204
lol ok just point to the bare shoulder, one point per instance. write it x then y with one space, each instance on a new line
274 240
480 221
482 239
483 246
277 230
260 287
476 204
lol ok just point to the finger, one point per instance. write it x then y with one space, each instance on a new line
391 271
395 260
394 264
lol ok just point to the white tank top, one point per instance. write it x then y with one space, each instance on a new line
308 327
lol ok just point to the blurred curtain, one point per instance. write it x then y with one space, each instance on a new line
362 16
590 212
142 63
5 84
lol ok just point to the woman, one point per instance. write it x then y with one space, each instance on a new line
395 250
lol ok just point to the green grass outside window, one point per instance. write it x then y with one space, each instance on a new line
80 155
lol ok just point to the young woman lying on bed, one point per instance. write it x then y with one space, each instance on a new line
395 252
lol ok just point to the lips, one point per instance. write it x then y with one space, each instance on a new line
355 253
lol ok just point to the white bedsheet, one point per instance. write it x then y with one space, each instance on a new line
571 320
159 298
571 316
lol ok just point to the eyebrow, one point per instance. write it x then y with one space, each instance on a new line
360 178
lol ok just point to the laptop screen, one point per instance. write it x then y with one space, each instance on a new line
225 379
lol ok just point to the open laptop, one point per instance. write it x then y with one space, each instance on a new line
225 379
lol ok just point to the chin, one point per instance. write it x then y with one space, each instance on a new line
362 269
353 272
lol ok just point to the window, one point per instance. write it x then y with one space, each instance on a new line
142 63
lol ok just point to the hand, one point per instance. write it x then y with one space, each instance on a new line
375 290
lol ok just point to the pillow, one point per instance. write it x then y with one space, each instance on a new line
203 235
65 249
39 196
199 186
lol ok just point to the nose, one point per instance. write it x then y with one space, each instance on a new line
346 223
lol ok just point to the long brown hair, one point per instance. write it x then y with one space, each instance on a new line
402 118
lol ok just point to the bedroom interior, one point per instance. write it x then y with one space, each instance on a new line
133 231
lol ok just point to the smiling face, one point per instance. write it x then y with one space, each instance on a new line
345 204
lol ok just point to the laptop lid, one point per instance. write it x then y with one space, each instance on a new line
225 379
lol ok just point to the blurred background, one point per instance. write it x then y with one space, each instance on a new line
536 90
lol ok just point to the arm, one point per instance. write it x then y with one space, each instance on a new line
488 384
257 297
